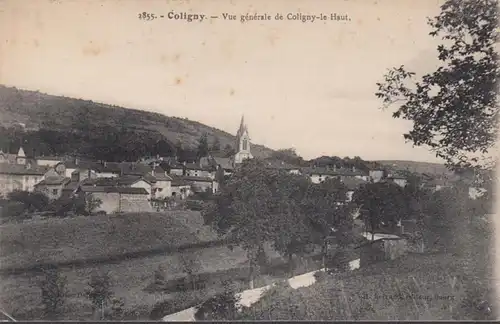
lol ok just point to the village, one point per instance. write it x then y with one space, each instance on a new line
156 183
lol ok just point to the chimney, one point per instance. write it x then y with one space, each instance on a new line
334 167
105 163
353 169
184 163
76 161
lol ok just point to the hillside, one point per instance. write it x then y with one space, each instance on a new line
37 110
418 167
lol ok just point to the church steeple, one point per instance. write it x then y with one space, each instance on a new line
242 128
242 143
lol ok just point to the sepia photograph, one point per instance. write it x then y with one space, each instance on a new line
223 160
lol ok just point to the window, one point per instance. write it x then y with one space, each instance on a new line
159 189
245 144
54 191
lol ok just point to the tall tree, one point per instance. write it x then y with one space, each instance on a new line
453 109
203 148
54 292
384 203
242 210
216 144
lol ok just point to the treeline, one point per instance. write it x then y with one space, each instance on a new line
99 143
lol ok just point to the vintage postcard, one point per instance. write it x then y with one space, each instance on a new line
188 160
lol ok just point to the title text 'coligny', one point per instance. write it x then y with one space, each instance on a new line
185 16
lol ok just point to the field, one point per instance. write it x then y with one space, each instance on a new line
68 240
84 238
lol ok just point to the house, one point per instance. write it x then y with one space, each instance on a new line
66 168
376 175
200 184
224 164
281 165
398 178
320 174
18 172
382 249
49 161
52 185
199 170
181 188
352 184
116 199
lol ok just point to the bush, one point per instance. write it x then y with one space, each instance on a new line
180 302
320 276
220 307
53 288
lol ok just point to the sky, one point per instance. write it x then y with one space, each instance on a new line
308 85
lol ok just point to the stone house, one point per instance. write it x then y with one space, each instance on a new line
52 186
382 249
18 172
118 199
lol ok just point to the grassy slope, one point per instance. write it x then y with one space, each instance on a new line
419 167
34 108
69 239
80 237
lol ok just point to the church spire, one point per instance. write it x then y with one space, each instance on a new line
243 127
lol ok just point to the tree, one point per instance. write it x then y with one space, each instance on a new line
190 265
53 288
241 211
384 202
229 151
453 109
32 201
216 144
99 292
223 306
203 148
91 203
288 155
291 230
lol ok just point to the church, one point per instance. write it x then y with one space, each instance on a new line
242 144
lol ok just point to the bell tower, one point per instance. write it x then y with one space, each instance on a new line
242 143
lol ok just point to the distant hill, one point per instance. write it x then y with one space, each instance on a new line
36 111
418 167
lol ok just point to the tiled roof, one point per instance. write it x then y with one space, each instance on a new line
197 179
111 189
274 164
225 163
196 166
332 171
53 181
353 183
20 169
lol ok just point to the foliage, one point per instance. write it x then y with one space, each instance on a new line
229 151
454 108
384 204
288 155
216 145
179 302
223 306
190 265
54 293
99 291
33 201
203 148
